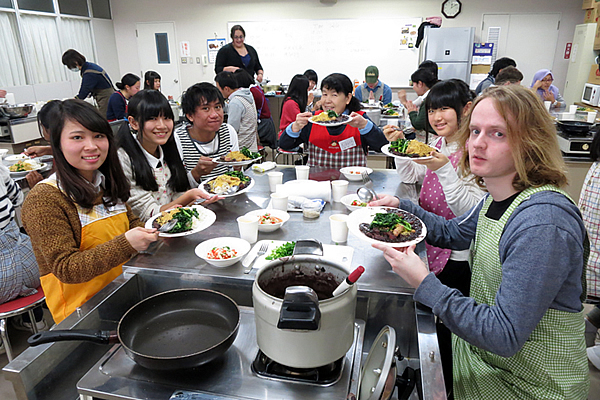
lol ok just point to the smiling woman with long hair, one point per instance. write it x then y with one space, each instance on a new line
81 229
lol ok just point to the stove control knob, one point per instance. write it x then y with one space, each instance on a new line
585 146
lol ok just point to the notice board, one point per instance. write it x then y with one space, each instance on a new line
348 46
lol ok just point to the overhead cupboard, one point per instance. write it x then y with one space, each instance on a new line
348 46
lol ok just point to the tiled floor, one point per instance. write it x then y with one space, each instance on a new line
19 342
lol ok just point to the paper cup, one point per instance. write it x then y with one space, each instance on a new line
248 228
275 178
547 104
339 189
279 201
591 116
572 109
302 172
339 228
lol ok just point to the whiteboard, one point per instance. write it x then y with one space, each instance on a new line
348 46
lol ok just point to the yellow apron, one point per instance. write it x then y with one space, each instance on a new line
98 225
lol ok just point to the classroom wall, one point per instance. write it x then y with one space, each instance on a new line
197 20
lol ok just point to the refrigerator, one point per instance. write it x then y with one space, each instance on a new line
451 49
582 58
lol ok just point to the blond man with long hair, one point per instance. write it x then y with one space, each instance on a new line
521 333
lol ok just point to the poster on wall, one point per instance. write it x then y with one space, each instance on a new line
408 36
213 46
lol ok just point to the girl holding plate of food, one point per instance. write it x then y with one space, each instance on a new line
81 229
338 136
150 159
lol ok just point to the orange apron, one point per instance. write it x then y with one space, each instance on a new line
98 225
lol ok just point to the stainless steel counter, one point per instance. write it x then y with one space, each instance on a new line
52 371
178 253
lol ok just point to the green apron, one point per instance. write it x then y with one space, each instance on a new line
552 363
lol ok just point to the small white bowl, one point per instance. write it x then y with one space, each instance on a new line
270 227
348 199
240 245
353 173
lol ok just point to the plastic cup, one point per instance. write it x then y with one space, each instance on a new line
302 172
339 228
248 228
591 116
279 201
275 178
572 109
547 104
339 189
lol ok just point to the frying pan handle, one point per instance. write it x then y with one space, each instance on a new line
90 335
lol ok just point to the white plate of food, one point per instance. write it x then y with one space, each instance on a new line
354 173
223 184
223 251
330 118
16 157
238 158
390 113
360 224
269 220
352 202
188 222
389 152
21 168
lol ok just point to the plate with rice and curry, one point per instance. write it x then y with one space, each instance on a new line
330 118
238 158
411 149
228 184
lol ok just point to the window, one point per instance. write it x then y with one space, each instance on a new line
12 69
36 5
101 9
32 42
74 7
162 48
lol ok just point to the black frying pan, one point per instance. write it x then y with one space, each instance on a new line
177 329
575 127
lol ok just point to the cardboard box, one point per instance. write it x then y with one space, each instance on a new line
591 15
594 76
588 4
597 38
480 69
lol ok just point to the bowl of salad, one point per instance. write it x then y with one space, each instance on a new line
354 173
269 220
223 251
352 202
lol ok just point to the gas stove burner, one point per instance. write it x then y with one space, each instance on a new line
326 375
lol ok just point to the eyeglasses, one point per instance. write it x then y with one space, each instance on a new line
238 37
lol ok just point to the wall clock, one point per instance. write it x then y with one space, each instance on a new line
451 8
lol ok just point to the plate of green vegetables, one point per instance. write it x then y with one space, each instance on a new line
190 220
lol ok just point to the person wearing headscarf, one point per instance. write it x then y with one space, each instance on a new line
542 85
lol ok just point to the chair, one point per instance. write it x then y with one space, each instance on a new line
286 154
15 307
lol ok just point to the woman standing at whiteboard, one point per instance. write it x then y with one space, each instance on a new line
237 54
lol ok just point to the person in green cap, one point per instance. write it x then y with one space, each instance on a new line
381 91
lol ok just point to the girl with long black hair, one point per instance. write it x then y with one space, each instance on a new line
150 159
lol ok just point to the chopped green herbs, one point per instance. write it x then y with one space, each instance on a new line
285 250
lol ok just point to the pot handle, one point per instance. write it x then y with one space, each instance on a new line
300 309
90 335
